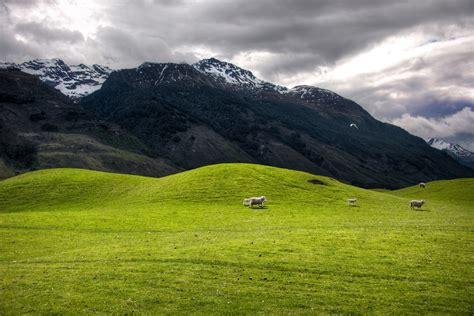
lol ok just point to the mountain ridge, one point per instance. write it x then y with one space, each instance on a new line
76 81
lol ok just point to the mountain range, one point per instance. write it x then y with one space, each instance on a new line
160 118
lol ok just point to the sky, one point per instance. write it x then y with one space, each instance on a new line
410 63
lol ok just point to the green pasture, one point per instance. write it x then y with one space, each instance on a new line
76 241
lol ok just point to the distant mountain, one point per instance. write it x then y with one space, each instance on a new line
456 151
41 128
75 81
214 111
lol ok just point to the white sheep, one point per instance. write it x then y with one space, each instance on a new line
246 202
257 201
352 201
422 185
417 203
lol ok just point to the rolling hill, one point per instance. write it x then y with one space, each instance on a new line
82 241
458 191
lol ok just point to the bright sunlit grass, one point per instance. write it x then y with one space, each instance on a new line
78 241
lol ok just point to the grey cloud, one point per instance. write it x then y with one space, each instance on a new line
44 33
279 67
14 50
125 49
27 3
428 85
458 127
321 31
325 28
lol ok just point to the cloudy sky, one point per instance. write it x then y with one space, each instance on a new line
407 62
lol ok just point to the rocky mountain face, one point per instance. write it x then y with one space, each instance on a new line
42 128
213 111
456 151
75 81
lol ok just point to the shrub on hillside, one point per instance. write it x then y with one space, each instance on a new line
49 127
35 117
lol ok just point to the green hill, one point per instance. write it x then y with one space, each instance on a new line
226 183
79 241
459 191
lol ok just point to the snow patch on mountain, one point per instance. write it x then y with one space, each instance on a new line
233 75
228 73
438 143
312 94
74 81
455 150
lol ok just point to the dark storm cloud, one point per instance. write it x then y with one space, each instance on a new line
431 86
329 29
316 32
129 50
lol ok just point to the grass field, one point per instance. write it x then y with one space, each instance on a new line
76 241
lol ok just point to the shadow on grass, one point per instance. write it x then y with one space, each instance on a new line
257 208
316 181
421 209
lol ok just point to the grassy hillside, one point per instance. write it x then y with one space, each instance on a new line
459 191
81 241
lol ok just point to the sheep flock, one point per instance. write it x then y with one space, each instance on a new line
260 201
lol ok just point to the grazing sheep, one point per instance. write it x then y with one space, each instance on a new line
417 203
422 185
246 202
257 201
352 201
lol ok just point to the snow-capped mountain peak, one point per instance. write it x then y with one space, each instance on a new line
458 152
456 149
233 75
438 143
74 81
312 94
228 72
